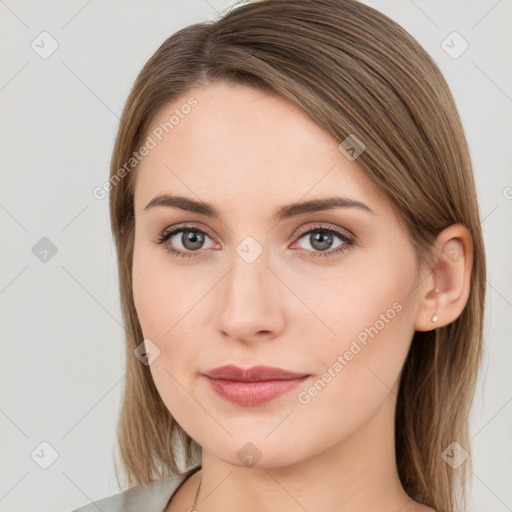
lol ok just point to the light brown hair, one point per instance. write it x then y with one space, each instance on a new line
354 71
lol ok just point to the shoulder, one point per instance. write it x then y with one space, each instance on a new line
152 497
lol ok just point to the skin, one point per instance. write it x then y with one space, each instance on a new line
249 153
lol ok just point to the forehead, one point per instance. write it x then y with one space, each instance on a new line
238 144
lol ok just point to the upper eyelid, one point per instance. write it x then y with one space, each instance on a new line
319 227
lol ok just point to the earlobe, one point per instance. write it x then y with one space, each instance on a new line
435 318
443 297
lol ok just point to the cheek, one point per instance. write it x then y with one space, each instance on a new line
155 294
169 310
358 370
362 363
150 303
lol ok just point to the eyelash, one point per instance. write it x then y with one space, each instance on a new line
348 242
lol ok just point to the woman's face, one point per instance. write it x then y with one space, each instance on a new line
264 283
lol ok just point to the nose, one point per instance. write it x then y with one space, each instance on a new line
251 303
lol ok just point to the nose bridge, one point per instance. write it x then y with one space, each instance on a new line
247 281
249 300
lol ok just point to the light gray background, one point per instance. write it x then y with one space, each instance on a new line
62 361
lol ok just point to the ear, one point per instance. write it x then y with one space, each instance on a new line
451 275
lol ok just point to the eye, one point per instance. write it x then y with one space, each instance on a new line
191 239
321 239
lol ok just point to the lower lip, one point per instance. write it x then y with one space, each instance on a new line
253 393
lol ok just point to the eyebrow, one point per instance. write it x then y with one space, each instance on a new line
284 212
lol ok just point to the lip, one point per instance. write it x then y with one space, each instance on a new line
252 386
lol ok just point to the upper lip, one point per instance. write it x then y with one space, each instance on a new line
252 374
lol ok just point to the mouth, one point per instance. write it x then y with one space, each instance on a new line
252 386
253 374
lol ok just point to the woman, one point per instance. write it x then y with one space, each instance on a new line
301 265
